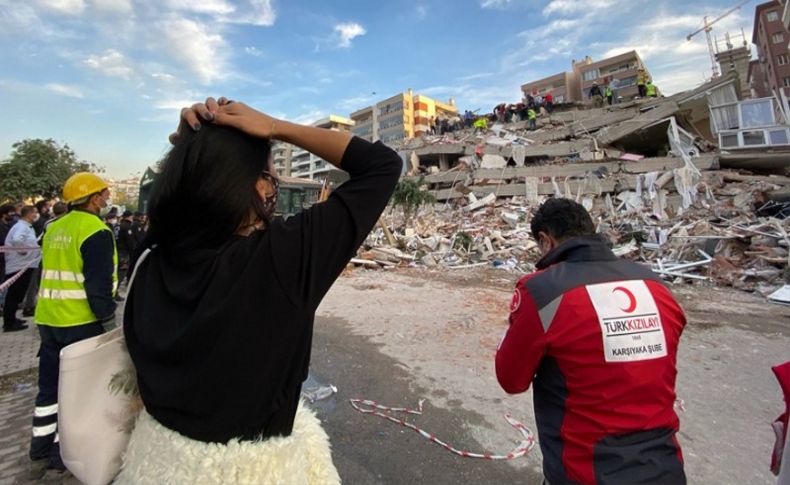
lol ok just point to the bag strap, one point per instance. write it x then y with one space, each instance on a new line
131 280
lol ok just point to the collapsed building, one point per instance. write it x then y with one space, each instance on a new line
693 184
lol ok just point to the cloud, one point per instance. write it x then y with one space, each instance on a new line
68 7
253 51
111 63
310 117
494 3
113 6
70 91
255 12
192 45
346 32
421 11
355 103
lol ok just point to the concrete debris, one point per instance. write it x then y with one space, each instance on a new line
648 172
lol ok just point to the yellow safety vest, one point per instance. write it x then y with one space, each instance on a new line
62 301
651 90
531 114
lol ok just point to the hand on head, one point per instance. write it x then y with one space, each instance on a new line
228 113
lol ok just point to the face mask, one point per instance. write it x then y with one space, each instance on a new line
107 207
36 217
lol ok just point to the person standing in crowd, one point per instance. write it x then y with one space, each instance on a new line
549 100
20 266
44 215
596 95
126 245
607 92
599 336
6 214
219 319
31 295
75 302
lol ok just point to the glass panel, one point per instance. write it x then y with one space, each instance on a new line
729 141
779 137
757 113
753 138
726 118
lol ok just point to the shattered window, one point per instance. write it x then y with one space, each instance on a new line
778 38
757 113
772 16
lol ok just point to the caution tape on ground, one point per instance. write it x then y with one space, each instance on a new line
372 407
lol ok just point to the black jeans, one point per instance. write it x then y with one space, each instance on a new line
15 296
45 416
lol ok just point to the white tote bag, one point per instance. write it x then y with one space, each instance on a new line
98 403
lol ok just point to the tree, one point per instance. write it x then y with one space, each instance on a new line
39 168
410 194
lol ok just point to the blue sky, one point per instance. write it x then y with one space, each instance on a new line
108 76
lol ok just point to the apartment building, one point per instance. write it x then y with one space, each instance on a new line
771 37
574 86
564 87
292 161
399 117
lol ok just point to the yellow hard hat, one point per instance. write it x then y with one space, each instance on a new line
81 185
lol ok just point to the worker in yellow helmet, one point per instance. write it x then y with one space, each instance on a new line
641 82
650 89
76 297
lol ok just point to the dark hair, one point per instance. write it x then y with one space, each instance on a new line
562 219
27 210
206 189
6 209
40 204
59 208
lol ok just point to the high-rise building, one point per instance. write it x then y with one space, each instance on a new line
399 117
292 161
574 86
771 37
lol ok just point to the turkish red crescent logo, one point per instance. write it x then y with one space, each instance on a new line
631 299
515 303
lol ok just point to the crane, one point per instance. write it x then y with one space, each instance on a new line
707 27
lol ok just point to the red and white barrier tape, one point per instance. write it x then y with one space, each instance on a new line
7 284
521 450
9 249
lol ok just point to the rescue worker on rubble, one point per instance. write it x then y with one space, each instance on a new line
75 302
531 116
650 89
599 336
641 82
596 95
607 92
219 319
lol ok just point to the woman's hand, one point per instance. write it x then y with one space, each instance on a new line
191 117
245 119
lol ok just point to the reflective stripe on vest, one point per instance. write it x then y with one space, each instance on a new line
63 301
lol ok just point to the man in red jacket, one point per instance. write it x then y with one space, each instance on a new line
599 337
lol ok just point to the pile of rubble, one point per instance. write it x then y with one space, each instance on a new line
656 190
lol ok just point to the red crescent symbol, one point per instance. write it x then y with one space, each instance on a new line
631 299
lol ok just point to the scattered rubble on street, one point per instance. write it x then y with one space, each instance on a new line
649 171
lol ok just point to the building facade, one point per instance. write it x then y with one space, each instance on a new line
292 161
402 116
771 38
620 71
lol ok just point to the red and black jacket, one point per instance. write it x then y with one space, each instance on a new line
599 337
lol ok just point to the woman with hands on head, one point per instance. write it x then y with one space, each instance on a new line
219 320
